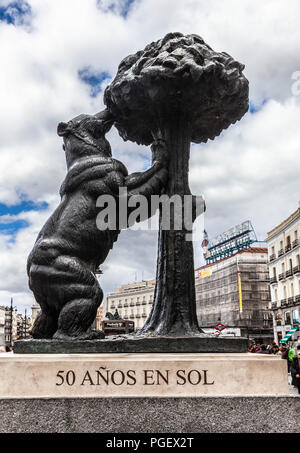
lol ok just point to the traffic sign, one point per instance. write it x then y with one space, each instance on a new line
220 327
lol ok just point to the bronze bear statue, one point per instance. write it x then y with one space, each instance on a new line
70 248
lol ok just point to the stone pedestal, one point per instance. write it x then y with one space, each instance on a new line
141 375
145 393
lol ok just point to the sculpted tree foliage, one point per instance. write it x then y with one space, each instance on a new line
177 90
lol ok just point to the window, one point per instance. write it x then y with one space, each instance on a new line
287 317
296 316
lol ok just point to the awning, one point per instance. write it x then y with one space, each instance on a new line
289 334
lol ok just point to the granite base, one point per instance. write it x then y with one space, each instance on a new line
151 415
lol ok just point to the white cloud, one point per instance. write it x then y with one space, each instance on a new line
250 171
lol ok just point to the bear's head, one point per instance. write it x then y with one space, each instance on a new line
84 135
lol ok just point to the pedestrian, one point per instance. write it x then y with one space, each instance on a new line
275 349
257 349
263 350
291 354
295 370
284 354
252 347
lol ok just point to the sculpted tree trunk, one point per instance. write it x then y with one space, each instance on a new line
180 91
174 308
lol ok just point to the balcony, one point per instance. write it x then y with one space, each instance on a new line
138 303
131 316
144 302
273 280
120 306
272 257
131 304
150 302
126 317
288 248
290 301
125 304
274 305
297 299
283 302
281 276
296 269
144 315
295 243
280 253
137 316
289 273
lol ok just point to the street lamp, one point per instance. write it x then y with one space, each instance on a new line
25 323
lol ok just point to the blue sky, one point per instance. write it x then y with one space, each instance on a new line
93 79
8 227
14 12
122 7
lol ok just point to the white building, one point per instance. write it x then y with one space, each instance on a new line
11 325
284 269
2 328
34 311
133 301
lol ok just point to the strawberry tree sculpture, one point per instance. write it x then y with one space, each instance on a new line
177 90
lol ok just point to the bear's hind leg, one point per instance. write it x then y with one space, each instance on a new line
45 325
76 318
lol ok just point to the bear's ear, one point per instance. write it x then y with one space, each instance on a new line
61 129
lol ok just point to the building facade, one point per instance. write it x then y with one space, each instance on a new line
2 328
284 270
235 291
99 318
11 325
133 301
34 311
23 326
